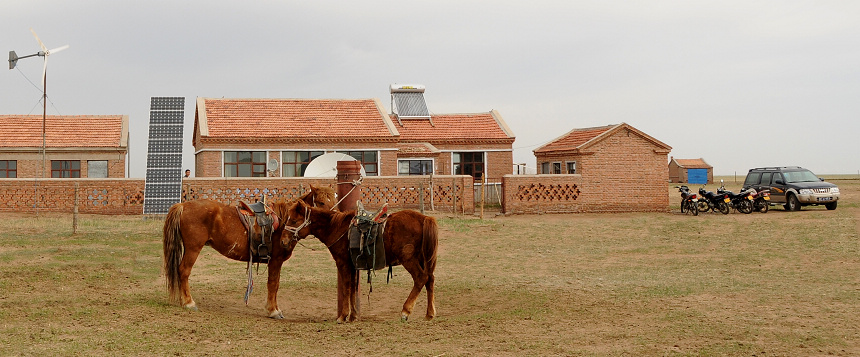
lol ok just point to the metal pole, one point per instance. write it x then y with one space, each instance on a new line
44 115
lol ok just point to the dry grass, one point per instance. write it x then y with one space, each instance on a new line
775 284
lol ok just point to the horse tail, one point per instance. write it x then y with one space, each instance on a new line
430 243
174 249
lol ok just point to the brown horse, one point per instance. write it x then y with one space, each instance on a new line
410 239
193 224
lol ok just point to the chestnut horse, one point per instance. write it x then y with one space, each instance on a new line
193 224
410 239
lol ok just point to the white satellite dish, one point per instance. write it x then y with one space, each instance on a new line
326 165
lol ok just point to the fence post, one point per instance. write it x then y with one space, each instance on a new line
483 189
421 195
454 195
432 196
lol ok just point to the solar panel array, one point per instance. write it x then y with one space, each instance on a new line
163 186
409 105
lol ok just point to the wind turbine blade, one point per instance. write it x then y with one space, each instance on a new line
58 49
44 71
44 49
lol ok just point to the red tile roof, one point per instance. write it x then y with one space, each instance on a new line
579 139
96 131
293 118
452 127
574 139
693 163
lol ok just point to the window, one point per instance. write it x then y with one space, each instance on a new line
294 163
571 167
414 167
8 169
367 159
97 169
553 167
753 178
469 163
244 164
765 178
65 168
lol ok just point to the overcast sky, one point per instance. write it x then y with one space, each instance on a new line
740 84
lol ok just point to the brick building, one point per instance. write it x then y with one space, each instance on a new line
238 137
624 165
84 146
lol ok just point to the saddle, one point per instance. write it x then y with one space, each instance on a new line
366 246
259 243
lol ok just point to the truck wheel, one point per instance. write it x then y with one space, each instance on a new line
792 203
831 206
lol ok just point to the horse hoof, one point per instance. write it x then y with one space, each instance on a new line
192 308
404 317
277 315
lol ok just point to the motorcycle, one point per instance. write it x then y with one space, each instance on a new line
689 202
742 202
713 202
761 201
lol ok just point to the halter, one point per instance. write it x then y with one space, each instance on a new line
307 222
295 230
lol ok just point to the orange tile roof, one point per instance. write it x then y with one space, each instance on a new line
445 127
693 163
64 131
574 139
293 118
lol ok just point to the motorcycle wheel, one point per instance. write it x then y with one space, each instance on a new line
692 208
762 206
745 206
723 207
683 206
704 206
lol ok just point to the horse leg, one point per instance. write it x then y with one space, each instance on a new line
419 279
272 287
185 266
353 296
343 278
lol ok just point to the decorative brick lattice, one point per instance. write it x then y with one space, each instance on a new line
548 192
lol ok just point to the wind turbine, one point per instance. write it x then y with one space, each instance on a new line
45 52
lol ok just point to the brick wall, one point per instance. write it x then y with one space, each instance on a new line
398 191
96 196
126 196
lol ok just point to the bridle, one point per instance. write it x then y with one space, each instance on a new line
295 230
307 222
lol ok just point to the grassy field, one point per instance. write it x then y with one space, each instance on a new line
774 284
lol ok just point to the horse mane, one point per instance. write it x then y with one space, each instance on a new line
281 207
